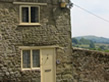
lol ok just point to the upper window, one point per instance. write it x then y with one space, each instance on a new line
29 15
30 59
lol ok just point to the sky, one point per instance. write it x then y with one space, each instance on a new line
84 23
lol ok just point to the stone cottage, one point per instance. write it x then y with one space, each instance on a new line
35 41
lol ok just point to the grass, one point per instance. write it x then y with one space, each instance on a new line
104 48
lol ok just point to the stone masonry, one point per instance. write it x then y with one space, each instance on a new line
55 29
90 66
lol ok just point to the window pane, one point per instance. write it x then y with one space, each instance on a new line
26 58
25 14
36 58
34 14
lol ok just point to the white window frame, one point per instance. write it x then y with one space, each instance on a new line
29 7
31 60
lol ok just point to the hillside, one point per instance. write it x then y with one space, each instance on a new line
95 39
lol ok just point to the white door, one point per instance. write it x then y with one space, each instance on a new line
48 66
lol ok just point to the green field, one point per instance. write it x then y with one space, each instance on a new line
91 42
98 46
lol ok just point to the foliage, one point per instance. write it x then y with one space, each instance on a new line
102 47
95 39
75 41
84 41
92 45
88 44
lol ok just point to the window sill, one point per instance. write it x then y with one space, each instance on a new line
29 24
29 69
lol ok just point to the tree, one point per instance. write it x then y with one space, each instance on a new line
84 41
75 41
92 45
102 47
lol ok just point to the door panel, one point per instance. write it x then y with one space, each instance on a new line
48 65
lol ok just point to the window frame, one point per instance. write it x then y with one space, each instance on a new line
31 60
29 9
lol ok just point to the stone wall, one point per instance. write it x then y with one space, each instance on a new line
38 1
54 30
90 66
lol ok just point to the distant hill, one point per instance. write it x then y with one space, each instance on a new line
95 39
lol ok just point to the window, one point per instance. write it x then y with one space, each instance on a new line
30 59
29 15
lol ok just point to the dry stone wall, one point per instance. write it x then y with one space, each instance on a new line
54 30
90 66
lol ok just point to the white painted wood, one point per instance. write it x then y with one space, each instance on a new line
37 47
29 3
48 71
